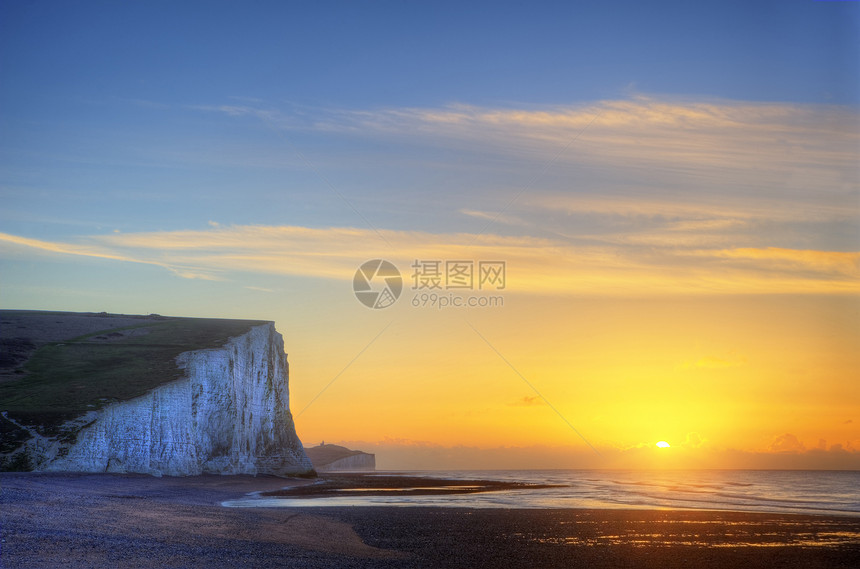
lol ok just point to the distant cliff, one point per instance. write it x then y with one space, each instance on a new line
332 458
228 413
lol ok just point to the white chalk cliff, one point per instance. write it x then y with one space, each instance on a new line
334 458
229 415
354 463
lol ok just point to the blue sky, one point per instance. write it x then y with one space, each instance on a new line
613 127
105 128
426 54
241 159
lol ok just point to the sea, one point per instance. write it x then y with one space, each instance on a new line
770 491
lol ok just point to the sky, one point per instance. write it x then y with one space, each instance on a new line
670 189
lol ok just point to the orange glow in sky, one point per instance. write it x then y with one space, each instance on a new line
677 214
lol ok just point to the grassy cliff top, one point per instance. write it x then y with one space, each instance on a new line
58 365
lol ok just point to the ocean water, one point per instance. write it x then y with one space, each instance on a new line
774 491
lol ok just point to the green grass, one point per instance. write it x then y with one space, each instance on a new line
67 379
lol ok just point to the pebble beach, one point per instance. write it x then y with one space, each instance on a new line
129 521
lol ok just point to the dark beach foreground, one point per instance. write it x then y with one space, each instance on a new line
125 521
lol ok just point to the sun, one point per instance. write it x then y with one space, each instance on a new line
663 444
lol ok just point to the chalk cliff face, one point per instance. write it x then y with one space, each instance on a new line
335 458
354 463
229 415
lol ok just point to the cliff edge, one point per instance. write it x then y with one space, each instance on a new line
226 411
335 458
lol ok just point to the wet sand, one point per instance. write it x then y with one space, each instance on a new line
102 520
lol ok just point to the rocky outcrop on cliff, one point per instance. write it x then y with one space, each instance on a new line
335 458
228 414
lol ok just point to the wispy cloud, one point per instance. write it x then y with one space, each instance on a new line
707 138
680 171
494 216
273 117
656 196
101 252
534 265
832 262
729 135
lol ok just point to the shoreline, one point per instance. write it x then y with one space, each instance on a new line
422 489
124 520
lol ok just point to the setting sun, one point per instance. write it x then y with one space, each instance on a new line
575 263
